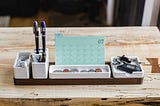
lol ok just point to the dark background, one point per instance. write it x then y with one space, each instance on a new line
72 13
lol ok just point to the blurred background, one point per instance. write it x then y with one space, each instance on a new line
80 13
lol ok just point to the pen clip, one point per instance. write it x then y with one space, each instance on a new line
43 28
35 27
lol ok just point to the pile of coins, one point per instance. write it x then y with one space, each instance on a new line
77 70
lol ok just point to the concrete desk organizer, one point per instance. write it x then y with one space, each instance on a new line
78 61
75 75
127 68
25 67
22 65
40 69
79 57
79 71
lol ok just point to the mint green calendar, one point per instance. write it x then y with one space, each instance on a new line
79 50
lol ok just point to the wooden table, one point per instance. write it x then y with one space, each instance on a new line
140 41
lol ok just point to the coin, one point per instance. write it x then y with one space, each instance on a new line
91 70
74 70
66 70
98 70
58 71
84 71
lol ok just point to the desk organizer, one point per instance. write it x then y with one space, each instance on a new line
40 69
22 66
79 71
121 69
79 81
78 61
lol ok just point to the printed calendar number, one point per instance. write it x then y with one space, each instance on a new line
100 41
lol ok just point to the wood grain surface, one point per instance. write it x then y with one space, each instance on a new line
143 42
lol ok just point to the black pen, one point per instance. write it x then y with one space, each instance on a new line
36 32
43 32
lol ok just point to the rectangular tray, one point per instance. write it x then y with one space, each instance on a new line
79 81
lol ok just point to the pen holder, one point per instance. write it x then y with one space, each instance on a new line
40 69
22 65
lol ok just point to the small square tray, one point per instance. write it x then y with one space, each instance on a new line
21 66
122 74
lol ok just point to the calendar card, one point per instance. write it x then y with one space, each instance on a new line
79 50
